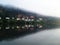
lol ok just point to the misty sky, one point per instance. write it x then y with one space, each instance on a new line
45 7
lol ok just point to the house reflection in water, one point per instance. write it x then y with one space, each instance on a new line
20 23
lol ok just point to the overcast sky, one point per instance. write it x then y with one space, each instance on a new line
45 7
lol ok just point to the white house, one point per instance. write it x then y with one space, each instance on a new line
7 27
29 26
40 26
23 18
7 18
32 25
26 25
40 19
29 19
17 27
13 18
26 19
12 27
0 27
0 18
23 27
18 19
32 19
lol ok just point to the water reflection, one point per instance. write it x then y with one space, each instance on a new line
15 31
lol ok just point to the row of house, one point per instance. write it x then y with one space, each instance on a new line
25 18
23 27
31 18
20 17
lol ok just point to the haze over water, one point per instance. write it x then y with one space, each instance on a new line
44 37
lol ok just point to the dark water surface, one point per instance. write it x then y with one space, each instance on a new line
44 37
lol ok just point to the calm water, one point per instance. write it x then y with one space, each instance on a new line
45 37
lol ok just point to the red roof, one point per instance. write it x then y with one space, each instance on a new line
19 16
32 17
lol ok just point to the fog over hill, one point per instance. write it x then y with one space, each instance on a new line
12 11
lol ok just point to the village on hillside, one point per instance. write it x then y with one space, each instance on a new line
16 19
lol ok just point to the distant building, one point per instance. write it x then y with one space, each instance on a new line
7 27
0 27
23 18
32 17
13 17
17 27
7 17
40 19
0 18
26 25
23 27
26 19
29 19
18 19
19 16
40 26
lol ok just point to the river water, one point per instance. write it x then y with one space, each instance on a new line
44 37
